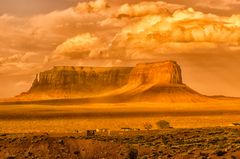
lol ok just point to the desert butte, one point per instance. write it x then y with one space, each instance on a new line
66 99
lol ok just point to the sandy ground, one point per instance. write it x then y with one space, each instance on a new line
72 118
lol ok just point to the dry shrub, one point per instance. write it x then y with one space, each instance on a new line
163 124
147 125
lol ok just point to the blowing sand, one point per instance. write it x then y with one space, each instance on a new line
69 118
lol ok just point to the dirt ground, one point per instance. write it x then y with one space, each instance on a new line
204 143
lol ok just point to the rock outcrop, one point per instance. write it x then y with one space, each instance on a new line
159 81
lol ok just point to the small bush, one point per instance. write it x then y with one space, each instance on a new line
162 124
147 126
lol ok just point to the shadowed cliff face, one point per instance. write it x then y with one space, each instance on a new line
160 81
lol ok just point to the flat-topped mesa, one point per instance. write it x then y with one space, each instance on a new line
70 79
158 73
159 82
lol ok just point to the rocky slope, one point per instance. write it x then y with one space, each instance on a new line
159 81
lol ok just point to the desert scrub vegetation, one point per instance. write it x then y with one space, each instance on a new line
163 124
147 125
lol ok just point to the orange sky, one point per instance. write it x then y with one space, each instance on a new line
203 38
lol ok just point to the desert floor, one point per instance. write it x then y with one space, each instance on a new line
72 118
199 143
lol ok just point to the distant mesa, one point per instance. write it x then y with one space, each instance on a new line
153 82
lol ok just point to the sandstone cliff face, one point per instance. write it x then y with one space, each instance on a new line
161 73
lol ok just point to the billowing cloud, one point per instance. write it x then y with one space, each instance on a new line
146 8
149 25
92 6
152 33
45 32
79 46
